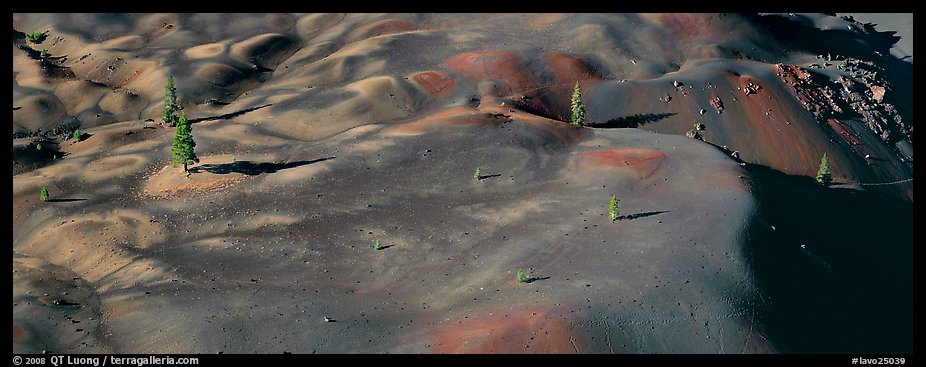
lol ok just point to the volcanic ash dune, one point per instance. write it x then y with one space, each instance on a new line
322 135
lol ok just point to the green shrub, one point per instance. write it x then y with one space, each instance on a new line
77 135
521 277
377 245
43 195
477 175
36 37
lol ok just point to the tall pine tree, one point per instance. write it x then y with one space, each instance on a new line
823 174
578 109
183 145
169 114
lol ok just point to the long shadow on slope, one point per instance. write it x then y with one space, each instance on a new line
850 288
30 157
229 115
536 106
49 67
641 215
250 168
65 200
631 121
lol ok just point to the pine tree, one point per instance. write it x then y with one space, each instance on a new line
43 195
578 109
612 209
477 175
378 245
823 174
77 134
521 278
183 145
169 114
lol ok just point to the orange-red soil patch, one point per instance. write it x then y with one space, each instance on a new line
644 162
528 331
436 83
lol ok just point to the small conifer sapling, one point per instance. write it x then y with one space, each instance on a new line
613 212
824 176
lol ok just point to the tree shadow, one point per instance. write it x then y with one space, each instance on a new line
250 168
483 177
534 108
535 279
229 115
64 200
640 215
17 35
49 68
384 247
631 121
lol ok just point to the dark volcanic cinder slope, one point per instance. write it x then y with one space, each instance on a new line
244 257
320 134
826 259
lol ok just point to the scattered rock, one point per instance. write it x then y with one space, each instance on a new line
62 302
328 319
677 84
827 99
751 88
700 127
694 134
702 111
877 93
735 154
717 104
